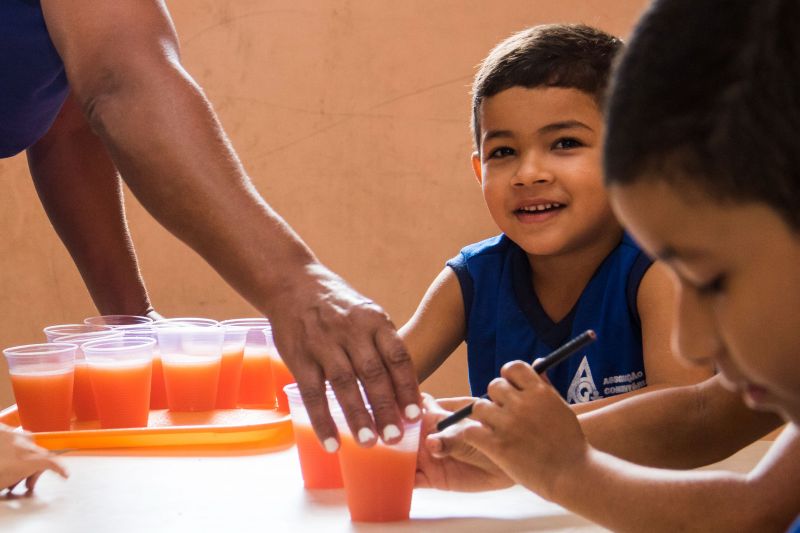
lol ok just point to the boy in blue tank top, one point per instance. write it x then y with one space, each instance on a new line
562 264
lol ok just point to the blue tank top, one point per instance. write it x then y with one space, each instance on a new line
33 84
506 322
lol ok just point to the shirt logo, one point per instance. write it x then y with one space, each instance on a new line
582 389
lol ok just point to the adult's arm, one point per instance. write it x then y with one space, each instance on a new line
81 192
122 60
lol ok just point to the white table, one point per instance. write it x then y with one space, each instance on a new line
256 490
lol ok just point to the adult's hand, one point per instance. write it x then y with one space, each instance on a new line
21 459
325 330
175 157
445 461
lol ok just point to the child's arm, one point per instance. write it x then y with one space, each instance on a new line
655 301
438 324
533 436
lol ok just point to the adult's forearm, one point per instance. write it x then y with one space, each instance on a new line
175 157
80 190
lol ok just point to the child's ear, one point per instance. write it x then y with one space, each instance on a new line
476 166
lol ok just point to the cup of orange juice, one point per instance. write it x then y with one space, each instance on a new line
378 481
191 357
119 369
158 391
320 469
82 394
230 371
53 333
117 320
256 387
42 378
280 372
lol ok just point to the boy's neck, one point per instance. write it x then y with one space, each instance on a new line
559 280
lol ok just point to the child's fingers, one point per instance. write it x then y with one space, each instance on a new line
519 374
478 436
30 482
485 412
500 390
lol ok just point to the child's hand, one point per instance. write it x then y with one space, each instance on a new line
528 430
21 459
446 462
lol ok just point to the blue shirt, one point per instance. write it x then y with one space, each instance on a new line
34 84
506 321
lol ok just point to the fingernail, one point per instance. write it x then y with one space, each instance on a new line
412 411
330 445
365 435
390 432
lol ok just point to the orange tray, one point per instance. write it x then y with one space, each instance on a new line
165 428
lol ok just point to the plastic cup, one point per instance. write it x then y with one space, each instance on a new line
117 320
119 370
187 321
191 358
256 386
320 469
158 391
280 372
42 378
378 481
53 333
83 405
230 371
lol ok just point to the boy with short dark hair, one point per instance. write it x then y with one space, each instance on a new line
562 264
702 163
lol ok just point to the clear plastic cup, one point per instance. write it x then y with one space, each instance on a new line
117 320
320 469
280 372
256 386
230 371
83 405
53 333
158 391
119 370
187 321
191 357
378 481
42 378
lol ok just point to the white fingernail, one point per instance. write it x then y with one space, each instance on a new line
390 432
365 435
330 445
412 412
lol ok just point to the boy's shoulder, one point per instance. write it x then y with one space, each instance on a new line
498 244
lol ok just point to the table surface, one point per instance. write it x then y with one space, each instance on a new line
257 489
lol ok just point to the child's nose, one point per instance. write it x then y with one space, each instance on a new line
531 170
694 335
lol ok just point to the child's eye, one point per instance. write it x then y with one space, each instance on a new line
498 153
566 143
715 286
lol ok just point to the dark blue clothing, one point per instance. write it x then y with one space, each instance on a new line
33 84
795 527
506 321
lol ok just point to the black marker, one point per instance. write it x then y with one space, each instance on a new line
540 366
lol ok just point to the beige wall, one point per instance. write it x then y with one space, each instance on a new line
351 118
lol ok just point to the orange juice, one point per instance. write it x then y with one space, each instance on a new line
44 399
191 382
320 468
83 395
256 388
378 481
122 393
158 391
230 373
281 377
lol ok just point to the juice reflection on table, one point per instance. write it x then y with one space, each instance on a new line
42 377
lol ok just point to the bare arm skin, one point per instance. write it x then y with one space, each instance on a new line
438 325
81 192
531 434
122 60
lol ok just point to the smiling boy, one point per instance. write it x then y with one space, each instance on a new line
562 263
